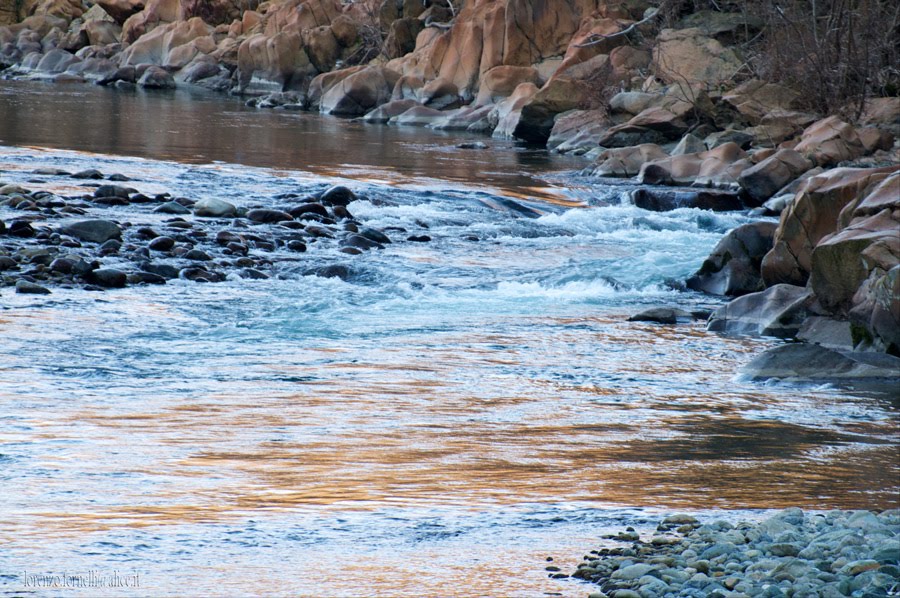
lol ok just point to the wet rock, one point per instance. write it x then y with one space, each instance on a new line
295 245
333 271
661 315
91 173
253 274
145 278
361 242
268 216
214 208
419 238
665 200
165 270
26 287
93 231
308 208
374 235
765 179
778 311
7 263
110 247
162 244
108 277
197 255
337 196
20 228
200 275
813 362
733 266
114 191
171 207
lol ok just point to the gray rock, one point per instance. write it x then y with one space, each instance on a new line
156 77
812 362
93 231
778 311
108 277
733 267
661 315
26 287
172 207
214 208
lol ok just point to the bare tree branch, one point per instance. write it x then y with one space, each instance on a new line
596 38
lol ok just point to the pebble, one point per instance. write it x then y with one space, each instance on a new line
840 553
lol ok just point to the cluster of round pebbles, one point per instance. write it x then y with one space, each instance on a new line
49 240
790 554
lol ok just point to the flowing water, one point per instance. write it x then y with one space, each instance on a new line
439 424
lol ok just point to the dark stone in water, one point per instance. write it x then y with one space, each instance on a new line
93 231
29 288
162 243
374 235
7 263
114 191
660 315
110 247
120 178
20 228
146 233
268 216
351 250
333 271
308 208
111 201
200 275
361 242
253 274
146 278
164 270
419 238
108 277
294 245
665 200
172 207
338 196
88 174
197 255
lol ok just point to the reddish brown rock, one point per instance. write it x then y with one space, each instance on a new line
830 141
360 92
627 161
812 215
766 178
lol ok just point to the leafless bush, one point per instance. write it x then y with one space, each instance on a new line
837 53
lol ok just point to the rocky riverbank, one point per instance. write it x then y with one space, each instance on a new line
113 235
698 100
790 553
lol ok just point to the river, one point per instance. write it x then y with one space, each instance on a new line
439 424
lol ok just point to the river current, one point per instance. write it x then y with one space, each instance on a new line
441 423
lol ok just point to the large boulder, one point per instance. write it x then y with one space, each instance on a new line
506 114
627 161
538 114
155 47
808 362
689 57
272 63
93 231
577 130
766 178
755 99
154 14
843 261
830 141
811 216
360 92
733 266
875 316
778 311
120 10
501 81
719 167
